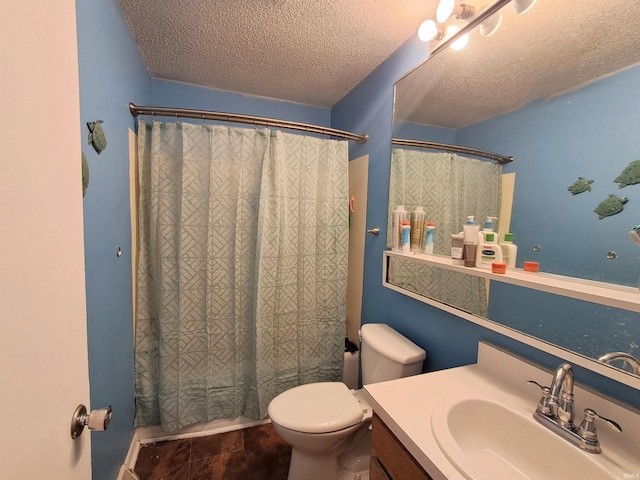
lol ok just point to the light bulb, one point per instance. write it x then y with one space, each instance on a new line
522 6
461 42
444 10
428 30
491 24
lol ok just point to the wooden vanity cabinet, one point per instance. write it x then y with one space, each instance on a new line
390 460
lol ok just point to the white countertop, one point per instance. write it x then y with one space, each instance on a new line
406 405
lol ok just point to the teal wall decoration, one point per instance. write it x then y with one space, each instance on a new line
580 185
630 175
85 175
97 138
610 206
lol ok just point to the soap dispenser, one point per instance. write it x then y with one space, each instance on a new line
489 226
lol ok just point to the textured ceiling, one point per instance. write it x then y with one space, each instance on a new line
315 52
312 52
555 47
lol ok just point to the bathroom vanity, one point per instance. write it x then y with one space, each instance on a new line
478 422
390 460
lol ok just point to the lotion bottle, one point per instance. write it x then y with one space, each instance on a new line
457 245
405 241
471 231
429 237
399 216
509 250
488 252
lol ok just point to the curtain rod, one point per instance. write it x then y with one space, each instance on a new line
501 159
250 119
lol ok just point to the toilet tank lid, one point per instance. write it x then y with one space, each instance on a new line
386 341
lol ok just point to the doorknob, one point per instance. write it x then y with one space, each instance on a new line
97 420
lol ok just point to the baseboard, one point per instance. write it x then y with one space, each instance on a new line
154 434
132 454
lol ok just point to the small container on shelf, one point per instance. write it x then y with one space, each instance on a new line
499 267
531 266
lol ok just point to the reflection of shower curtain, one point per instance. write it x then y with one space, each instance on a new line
449 187
242 269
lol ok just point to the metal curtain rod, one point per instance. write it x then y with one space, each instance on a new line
501 159
253 120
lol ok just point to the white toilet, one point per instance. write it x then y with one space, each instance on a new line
327 424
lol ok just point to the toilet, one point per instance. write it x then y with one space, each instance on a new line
327 425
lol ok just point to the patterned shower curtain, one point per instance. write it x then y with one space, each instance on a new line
449 187
242 269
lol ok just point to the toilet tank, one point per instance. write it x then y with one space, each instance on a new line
387 355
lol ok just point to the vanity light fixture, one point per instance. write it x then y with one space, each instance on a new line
430 30
461 42
491 24
447 8
522 6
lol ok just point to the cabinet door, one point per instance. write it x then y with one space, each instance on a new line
395 459
376 472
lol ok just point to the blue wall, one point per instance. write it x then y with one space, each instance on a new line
449 340
112 74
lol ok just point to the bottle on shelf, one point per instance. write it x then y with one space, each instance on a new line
429 237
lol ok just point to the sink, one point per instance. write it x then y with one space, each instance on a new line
485 439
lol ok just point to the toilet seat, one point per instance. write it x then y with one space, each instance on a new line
316 408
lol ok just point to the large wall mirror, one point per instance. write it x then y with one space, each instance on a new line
557 88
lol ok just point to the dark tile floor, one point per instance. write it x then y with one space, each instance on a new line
255 453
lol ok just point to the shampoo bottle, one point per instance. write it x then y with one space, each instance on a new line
405 239
488 252
417 229
471 231
489 226
429 237
509 250
399 216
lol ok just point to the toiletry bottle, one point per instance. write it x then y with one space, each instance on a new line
417 229
399 216
471 231
489 226
405 240
457 244
509 250
488 252
429 237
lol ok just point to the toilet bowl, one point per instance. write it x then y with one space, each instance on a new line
326 423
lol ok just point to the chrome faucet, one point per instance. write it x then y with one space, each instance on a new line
561 395
555 412
630 359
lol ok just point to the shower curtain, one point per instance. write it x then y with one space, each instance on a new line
242 269
450 187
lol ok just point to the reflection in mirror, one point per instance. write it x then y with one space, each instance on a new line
552 90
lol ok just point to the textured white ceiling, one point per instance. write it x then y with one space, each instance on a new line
558 45
312 52
315 52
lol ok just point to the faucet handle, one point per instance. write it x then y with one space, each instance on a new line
587 430
544 405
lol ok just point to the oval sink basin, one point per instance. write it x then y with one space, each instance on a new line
484 439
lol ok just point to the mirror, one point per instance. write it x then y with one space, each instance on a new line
556 88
